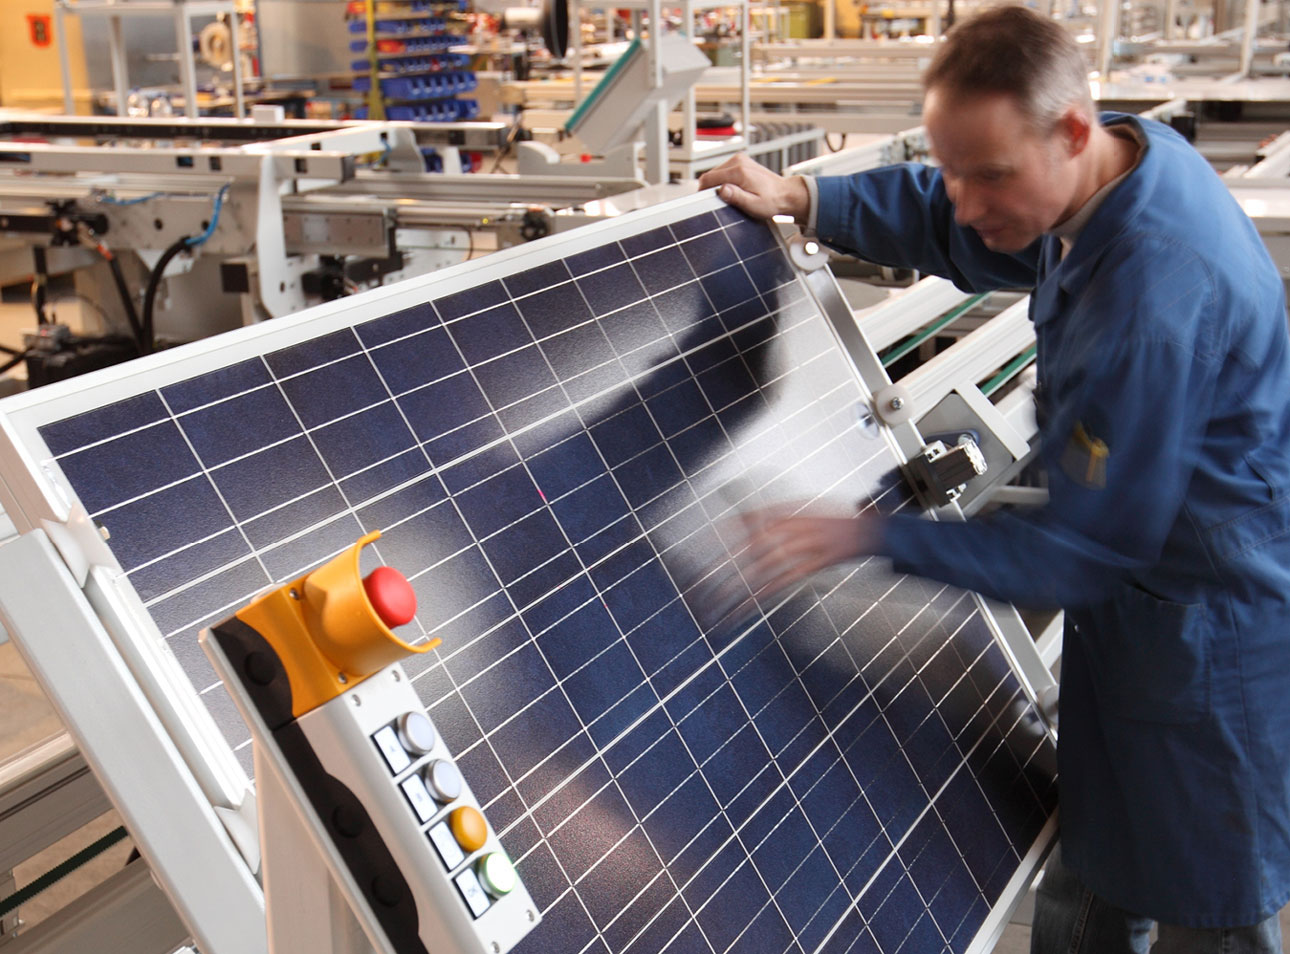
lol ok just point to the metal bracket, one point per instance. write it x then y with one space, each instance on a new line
807 254
894 405
939 474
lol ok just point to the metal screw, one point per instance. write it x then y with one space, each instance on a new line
395 674
342 678
532 916
497 948
293 593
896 403
357 701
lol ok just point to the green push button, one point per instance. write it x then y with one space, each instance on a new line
496 873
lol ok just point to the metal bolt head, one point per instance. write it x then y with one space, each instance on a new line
896 403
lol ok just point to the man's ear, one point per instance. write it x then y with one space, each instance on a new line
1074 128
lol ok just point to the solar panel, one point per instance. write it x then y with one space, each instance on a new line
551 441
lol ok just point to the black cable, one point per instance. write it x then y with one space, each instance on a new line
16 360
39 280
131 315
150 298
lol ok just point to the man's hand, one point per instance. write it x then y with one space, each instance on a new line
785 549
754 189
781 549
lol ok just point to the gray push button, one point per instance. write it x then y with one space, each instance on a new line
444 780
416 732
415 789
387 740
450 852
472 891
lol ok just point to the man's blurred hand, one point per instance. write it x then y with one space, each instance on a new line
781 548
754 189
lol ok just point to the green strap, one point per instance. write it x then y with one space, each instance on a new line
58 873
893 355
1009 369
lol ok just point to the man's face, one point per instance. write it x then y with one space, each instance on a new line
1006 182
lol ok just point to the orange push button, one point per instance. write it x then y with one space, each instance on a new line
468 827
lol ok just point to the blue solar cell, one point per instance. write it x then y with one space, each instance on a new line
295 556
334 390
597 258
687 313
499 501
661 270
634 328
648 241
378 331
312 353
375 480
536 279
356 442
473 300
129 466
489 334
608 693
554 310
694 225
192 506
183 607
578 350
239 425
306 511
269 478
728 287
661 782
611 289
155 579
708 253
127 415
217 385
415 361
512 377
452 418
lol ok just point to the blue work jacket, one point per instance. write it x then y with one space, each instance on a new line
1164 369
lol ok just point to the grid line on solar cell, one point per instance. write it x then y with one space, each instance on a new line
722 792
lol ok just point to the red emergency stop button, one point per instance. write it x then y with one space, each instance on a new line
391 595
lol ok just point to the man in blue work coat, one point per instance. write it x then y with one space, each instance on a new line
1164 365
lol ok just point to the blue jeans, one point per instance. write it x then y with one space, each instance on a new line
1070 919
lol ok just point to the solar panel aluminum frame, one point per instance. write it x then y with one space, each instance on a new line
38 497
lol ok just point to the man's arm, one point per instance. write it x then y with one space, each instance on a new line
1145 394
895 215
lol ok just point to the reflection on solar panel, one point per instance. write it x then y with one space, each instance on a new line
549 453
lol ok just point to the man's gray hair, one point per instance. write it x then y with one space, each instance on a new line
1010 49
